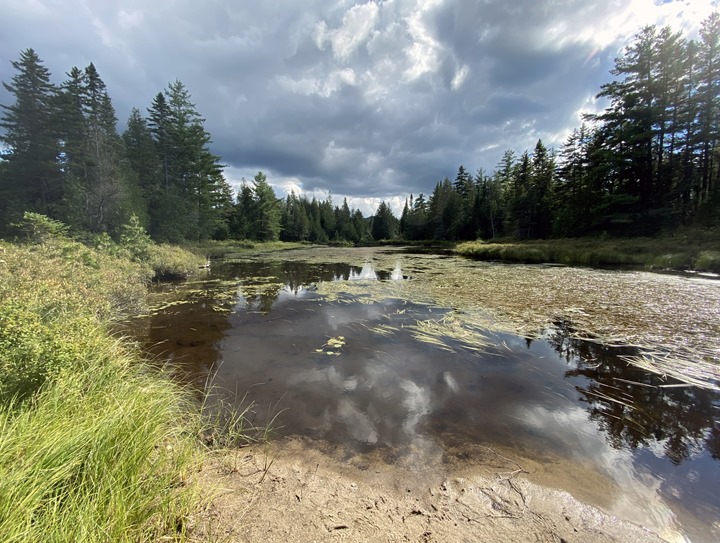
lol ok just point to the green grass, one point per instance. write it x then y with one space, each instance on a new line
94 445
172 262
689 249
101 454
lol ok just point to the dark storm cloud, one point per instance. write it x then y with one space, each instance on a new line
367 99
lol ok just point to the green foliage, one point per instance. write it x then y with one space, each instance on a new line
266 216
384 224
31 179
40 228
135 239
171 261
708 261
94 446
66 160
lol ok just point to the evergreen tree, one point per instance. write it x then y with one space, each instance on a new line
194 200
344 224
31 179
70 110
107 189
542 181
708 117
243 215
294 221
384 224
266 224
144 162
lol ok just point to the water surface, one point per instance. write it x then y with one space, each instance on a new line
346 354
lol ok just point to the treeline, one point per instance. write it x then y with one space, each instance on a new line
64 158
259 215
650 161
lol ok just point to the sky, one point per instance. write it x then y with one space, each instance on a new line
366 100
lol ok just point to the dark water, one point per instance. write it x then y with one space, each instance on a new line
349 371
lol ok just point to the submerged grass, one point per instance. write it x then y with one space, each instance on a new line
94 445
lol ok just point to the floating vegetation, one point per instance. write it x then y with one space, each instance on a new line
452 331
384 330
332 346
674 320
685 367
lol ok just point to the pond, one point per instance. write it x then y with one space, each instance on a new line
427 360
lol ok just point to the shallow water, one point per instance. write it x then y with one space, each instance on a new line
346 354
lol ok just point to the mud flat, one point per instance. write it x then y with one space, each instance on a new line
299 491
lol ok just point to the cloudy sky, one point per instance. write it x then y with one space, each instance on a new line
366 99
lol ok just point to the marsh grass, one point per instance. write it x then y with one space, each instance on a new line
172 262
94 445
689 249
101 454
239 248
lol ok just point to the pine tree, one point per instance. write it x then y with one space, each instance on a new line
243 214
708 117
143 160
107 191
542 181
193 201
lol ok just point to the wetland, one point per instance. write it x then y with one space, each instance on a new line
600 383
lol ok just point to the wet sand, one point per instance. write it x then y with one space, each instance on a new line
297 491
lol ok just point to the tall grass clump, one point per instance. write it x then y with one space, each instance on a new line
94 445
101 454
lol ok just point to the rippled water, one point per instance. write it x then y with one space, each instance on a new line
338 355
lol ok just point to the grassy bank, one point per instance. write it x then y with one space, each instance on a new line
697 250
94 445
235 248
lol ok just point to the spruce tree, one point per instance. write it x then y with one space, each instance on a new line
31 180
266 224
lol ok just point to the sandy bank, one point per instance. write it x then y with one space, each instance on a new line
300 493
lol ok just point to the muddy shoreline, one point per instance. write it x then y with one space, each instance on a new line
301 491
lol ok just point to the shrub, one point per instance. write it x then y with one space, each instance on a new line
708 261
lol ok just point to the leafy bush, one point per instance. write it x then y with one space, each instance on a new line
708 261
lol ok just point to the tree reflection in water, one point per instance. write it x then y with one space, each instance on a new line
635 408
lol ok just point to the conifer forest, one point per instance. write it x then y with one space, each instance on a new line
649 162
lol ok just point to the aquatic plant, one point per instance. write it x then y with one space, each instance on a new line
657 313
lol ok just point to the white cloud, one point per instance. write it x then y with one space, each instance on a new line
641 500
130 19
371 99
459 78
423 53
357 26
